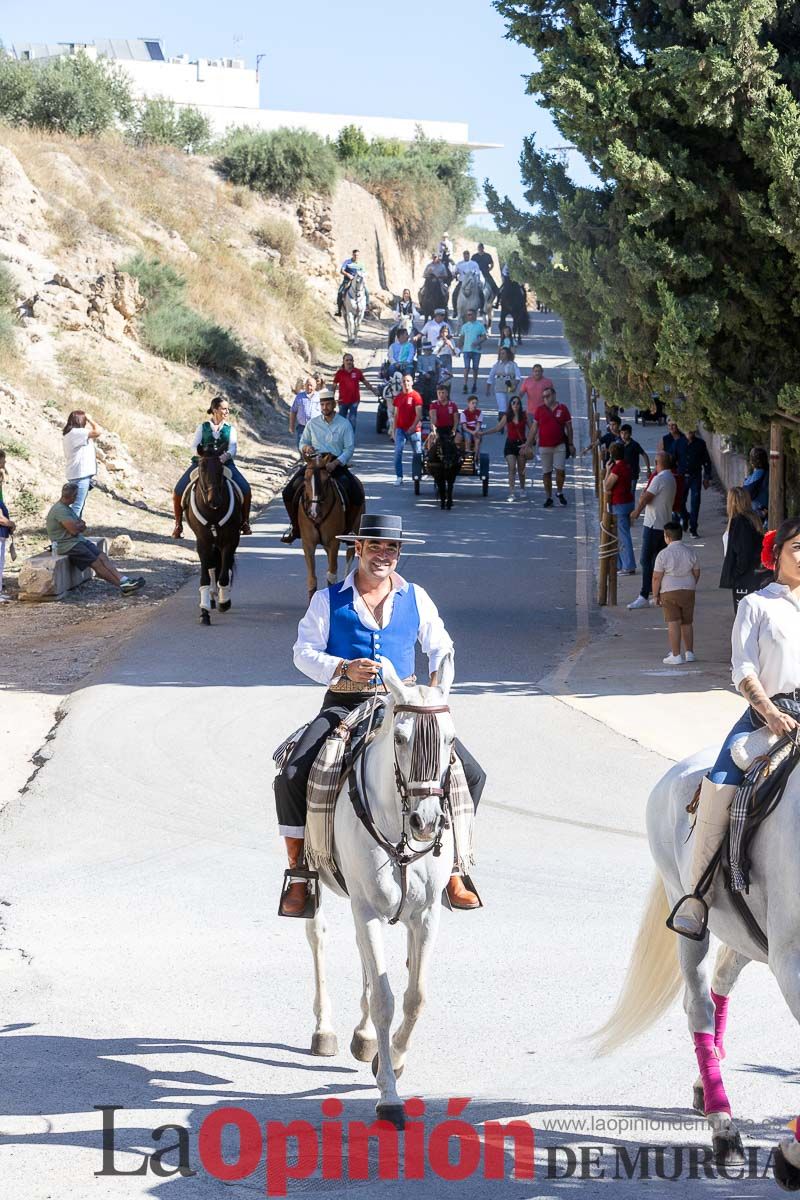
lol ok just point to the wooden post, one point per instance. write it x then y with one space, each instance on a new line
777 501
613 545
602 587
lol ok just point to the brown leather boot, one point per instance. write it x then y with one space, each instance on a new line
247 500
459 896
294 901
177 508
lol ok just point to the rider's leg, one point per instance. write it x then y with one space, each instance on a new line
713 813
458 894
291 494
247 495
177 501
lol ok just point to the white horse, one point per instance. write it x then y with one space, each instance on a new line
354 304
413 747
662 960
470 295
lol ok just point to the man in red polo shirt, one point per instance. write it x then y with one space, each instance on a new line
552 429
444 411
348 379
407 418
533 389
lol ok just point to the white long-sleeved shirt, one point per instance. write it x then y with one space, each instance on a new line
311 656
232 443
766 639
500 372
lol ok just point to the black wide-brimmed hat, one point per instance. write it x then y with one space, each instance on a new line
381 528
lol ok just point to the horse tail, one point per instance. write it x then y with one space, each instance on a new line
653 979
524 321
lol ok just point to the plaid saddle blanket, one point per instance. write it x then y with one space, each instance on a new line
767 761
328 775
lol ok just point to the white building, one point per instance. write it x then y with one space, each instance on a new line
227 91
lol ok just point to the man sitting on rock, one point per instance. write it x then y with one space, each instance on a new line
65 531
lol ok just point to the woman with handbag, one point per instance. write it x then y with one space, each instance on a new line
766 670
7 528
741 568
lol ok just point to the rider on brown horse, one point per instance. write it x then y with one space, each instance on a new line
328 433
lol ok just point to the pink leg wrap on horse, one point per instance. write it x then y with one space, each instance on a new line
720 1021
713 1089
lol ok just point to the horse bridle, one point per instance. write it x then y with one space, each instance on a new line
320 518
401 854
213 526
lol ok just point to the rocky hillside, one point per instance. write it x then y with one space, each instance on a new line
73 215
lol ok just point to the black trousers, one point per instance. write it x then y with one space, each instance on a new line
351 486
291 783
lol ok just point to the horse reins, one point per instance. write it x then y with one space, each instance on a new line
336 496
401 854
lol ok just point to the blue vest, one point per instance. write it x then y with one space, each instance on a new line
348 638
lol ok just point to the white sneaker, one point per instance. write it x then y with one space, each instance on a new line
673 660
398 482
639 602
689 656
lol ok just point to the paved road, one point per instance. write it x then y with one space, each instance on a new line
144 963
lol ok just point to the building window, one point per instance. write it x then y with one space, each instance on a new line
155 51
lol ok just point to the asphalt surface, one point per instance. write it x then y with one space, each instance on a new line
145 966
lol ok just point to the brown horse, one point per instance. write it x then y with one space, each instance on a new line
325 512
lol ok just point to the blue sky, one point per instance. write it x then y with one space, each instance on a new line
360 56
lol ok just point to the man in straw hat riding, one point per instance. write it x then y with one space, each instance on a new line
348 627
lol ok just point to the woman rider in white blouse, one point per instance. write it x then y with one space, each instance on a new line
218 435
766 668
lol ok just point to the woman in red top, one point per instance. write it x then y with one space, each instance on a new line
515 423
618 487
407 419
348 379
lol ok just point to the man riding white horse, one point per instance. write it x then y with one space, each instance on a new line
462 269
351 267
328 433
347 629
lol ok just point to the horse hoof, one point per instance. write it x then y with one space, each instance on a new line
324 1045
397 1073
699 1099
786 1175
363 1049
393 1113
205 616
728 1149
224 605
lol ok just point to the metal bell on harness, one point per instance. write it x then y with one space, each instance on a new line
311 880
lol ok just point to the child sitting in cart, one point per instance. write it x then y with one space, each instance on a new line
471 426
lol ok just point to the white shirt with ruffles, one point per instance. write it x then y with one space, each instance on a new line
766 639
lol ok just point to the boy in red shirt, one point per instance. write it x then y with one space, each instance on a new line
552 428
407 418
348 379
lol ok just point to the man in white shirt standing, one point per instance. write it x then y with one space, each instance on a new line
433 328
656 503
348 627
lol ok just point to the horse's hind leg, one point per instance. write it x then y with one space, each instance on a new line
309 550
381 1003
205 590
225 581
323 1041
364 1043
421 940
332 551
212 574
701 1014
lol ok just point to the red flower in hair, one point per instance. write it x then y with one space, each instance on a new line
768 550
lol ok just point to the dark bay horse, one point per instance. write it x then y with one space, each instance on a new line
444 463
433 294
213 510
513 301
326 510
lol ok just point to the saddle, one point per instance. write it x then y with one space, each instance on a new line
226 472
768 762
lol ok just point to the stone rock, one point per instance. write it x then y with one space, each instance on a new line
64 282
114 301
121 546
114 456
49 577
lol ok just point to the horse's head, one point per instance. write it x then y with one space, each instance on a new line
424 736
316 482
211 478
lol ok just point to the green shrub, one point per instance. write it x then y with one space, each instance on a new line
8 295
351 143
160 122
8 289
7 338
16 88
279 235
77 96
27 504
171 328
15 449
283 162
180 334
